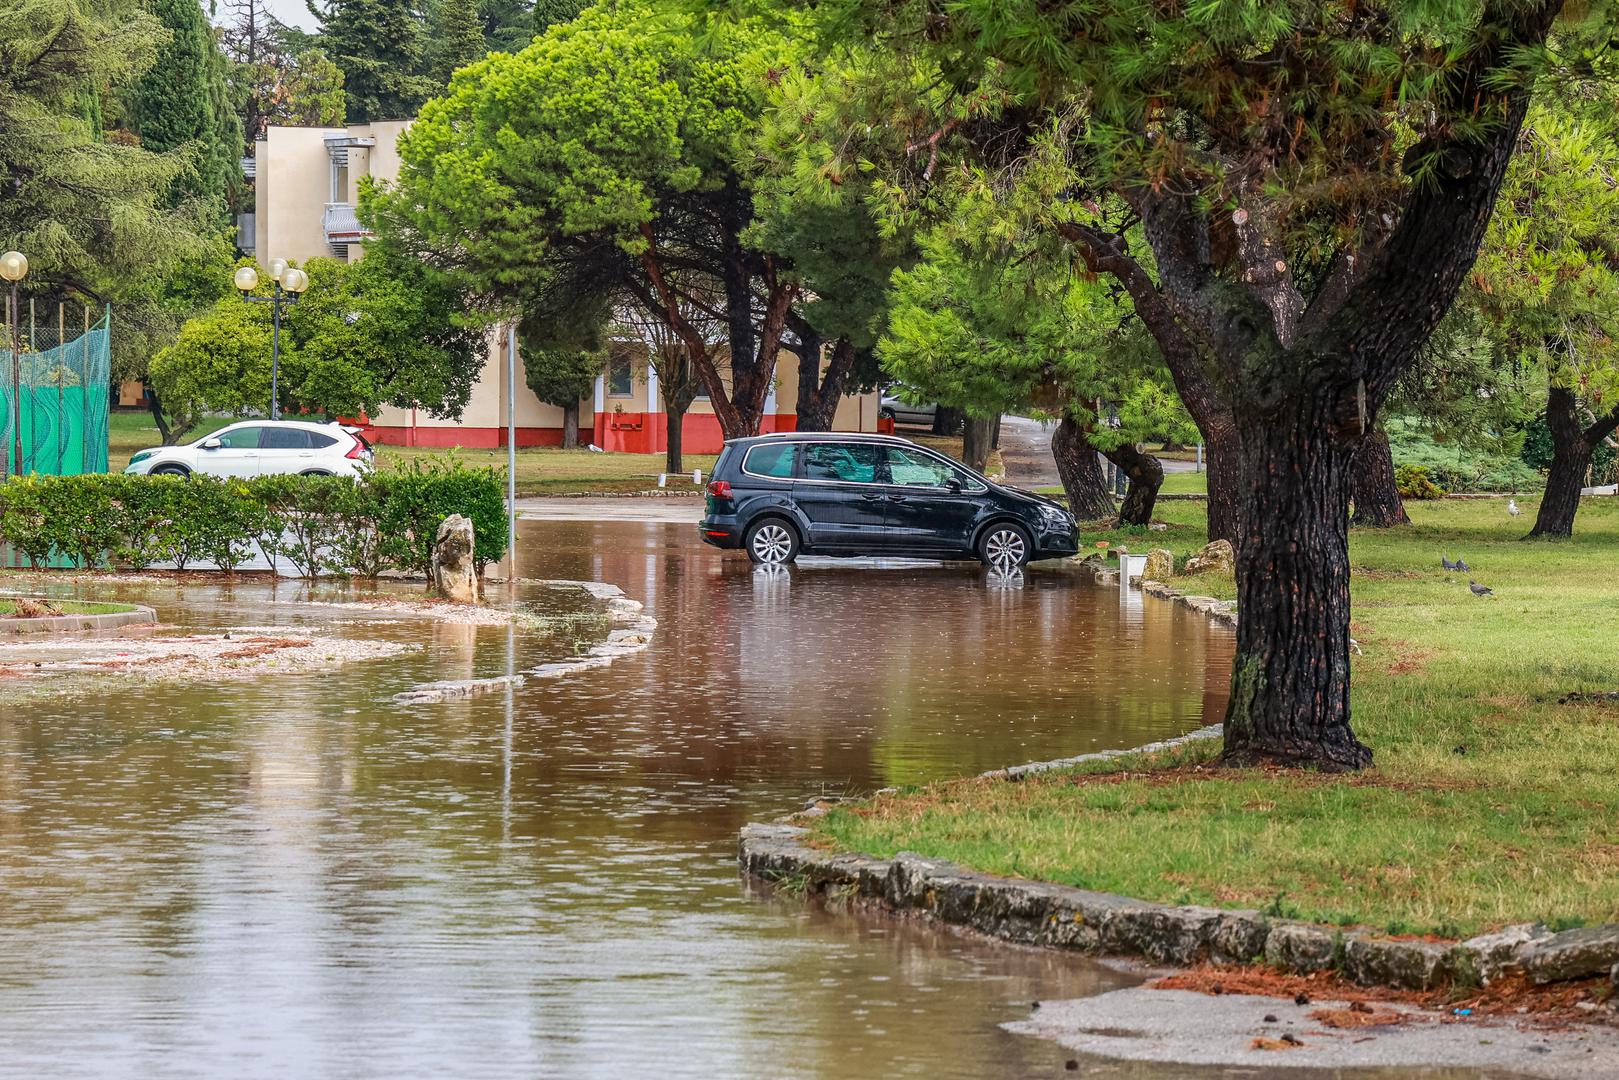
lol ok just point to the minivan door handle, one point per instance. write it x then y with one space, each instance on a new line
870 496
896 498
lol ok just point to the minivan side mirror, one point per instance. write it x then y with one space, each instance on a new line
211 444
953 485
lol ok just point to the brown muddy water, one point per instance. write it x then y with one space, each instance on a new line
294 876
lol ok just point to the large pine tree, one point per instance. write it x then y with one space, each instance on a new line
378 45
182 101
458 38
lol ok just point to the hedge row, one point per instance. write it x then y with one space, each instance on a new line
319 524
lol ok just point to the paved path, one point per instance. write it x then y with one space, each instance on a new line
680 509
1026 450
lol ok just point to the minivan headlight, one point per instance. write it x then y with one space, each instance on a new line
1056 516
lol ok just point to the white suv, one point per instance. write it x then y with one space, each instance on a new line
261 448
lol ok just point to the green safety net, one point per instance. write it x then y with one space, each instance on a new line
66 397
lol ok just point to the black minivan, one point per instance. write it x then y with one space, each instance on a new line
812 493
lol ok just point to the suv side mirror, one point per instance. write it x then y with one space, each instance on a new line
211 444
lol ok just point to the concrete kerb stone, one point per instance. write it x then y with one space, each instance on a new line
74 624
1064 917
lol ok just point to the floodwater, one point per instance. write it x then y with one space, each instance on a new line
296 877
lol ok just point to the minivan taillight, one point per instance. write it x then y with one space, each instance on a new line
719 489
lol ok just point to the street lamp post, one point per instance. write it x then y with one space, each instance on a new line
290 282
14 267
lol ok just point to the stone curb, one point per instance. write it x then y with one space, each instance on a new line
631 634
1062 917
70 624
1223 612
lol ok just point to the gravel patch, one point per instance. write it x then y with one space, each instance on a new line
240 653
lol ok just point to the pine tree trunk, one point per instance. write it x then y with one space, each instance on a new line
672 461
1571 458
975 441
946 420
1146 475
570 425
1290 678
1377 497
1223 473
1081 471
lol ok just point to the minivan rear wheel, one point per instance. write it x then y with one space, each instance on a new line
1004 546
771 541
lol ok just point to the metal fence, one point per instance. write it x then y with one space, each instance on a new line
62 375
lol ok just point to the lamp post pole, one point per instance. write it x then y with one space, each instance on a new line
290 282
14 267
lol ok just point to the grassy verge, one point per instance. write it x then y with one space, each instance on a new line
8 608
1491 802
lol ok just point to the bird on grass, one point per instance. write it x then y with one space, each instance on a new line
1444 560
1512 507
1461 564
1480 590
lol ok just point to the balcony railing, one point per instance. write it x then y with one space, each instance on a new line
342 228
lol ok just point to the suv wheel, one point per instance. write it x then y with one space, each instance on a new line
1004 546
771 541
171 470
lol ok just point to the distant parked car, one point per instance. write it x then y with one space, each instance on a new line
777 496
892 407
262 448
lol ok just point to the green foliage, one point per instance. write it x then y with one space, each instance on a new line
1477 465
182 103
560 377
278 74
1413 482
379 48
1538 449
380 331
457 37
549 13
320 524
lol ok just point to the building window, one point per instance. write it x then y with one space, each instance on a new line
620 373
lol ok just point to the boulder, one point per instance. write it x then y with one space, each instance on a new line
1160 566
1491 954
1407 965
1214 556
1299 947
1573 954
455 575
1238 937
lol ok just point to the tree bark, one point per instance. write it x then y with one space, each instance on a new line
676 419
1377 498
975 441
1081 471
946 420
1222 471
1290 678
570 425
1573 444
1146 475
818 393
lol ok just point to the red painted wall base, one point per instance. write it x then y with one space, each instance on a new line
629 433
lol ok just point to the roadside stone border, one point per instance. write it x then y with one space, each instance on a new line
1220 611
632 632
1062 917
71 624
1022 772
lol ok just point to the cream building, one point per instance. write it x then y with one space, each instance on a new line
306 187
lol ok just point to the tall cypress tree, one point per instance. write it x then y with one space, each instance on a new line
378 46
182 100
458 38
549 13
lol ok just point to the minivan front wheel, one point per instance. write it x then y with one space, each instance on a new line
771 542
1004 546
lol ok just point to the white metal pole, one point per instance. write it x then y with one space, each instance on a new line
511 454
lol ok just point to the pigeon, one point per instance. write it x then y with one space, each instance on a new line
1512 507
1480 590
1444 560
1461 564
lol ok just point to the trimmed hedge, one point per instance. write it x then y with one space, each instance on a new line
386 520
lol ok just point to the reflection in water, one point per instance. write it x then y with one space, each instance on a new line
297 877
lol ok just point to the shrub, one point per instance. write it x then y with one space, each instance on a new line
1415 483
321 524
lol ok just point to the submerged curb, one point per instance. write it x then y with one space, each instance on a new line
632 632
70 624
1063 917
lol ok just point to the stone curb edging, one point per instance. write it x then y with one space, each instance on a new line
1063 917
632 633
68 624
1021 772
1220 611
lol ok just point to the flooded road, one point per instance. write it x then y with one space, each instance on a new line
296 876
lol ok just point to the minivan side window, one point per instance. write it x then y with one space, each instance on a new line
849 463
770 460
913 468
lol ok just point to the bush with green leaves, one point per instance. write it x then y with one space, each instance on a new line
386 520
1414 482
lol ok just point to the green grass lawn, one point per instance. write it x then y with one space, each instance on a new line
1491 803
